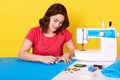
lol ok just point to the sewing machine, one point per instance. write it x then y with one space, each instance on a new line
108 44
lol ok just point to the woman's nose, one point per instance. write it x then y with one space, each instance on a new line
57 24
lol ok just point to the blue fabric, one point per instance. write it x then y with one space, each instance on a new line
112 71
15 69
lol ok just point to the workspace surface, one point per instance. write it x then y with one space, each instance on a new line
16 69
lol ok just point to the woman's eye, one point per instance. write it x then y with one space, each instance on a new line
55 20
61 23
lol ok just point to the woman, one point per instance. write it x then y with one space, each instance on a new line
47 40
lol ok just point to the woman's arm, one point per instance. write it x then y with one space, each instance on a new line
66 56
24 53
71 47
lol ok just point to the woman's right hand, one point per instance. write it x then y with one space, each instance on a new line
48 59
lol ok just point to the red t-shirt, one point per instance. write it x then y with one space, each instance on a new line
43 45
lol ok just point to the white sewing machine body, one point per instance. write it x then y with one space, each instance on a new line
108 44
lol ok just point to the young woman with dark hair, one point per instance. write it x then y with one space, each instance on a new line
47 39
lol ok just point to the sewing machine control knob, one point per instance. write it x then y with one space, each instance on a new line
101 33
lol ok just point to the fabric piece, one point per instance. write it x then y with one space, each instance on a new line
112 71
16 69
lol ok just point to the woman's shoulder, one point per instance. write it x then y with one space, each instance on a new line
65 31
36 28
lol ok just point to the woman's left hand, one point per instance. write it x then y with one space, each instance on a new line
65 57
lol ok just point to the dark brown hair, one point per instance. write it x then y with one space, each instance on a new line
53 10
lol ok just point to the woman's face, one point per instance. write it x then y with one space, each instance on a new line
56 21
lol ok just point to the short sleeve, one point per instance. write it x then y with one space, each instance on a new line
68 35
30 35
